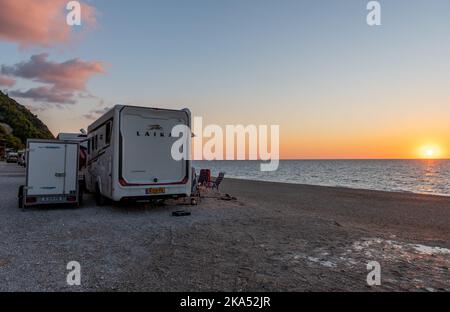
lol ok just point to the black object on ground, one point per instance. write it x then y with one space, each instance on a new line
228 197
180 213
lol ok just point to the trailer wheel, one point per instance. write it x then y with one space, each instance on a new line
99 198
20 196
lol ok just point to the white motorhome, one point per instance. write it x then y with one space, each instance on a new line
52 173
77 137
81 138
129 155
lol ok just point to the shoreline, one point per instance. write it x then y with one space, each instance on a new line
340 187
428 177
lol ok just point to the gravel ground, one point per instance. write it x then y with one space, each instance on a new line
305 238
109 242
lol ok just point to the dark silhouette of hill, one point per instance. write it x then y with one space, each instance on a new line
17 123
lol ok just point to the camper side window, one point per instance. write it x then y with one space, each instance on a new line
94 143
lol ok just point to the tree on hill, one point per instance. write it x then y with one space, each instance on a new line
23 123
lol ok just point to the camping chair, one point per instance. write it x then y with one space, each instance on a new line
218 180
195 191
205 177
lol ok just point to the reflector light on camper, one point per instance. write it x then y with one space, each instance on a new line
31 200
71 198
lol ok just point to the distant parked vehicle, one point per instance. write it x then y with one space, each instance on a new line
20 157
12 157
77 137
52 174
21 161
129 155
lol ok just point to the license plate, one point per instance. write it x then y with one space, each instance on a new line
158 190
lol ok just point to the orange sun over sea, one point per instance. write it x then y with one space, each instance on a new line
430 151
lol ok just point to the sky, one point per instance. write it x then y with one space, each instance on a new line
337 87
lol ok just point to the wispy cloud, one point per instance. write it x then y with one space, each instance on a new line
42 23
68 75
45 94
63 79
94 114
38 109
6 81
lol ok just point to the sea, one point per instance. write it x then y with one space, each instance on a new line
414 176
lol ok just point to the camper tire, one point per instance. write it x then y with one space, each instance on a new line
100 200
20 196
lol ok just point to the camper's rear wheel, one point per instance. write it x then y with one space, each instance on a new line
100 200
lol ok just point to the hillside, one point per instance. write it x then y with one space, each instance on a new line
17 123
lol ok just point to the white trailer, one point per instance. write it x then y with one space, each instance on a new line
52 173
129 155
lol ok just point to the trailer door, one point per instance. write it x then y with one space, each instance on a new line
46 168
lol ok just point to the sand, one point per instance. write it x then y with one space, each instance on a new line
283 237
321 238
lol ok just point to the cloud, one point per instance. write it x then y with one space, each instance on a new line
63 80
42 23
94 114
6 81
68 75
45 94
38 109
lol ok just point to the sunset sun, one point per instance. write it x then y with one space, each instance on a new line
430 151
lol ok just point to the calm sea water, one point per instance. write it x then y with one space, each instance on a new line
417 176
